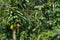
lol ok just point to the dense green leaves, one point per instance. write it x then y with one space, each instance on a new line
39 19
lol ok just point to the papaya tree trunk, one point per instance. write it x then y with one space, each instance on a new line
14 34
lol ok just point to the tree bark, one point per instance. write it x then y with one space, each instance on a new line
14 34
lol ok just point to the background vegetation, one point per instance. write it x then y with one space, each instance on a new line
37 19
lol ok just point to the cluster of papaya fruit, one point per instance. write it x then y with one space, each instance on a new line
12 26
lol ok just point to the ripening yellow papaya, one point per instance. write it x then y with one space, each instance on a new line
17 25
12 27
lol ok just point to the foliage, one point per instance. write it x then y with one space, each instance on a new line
38 19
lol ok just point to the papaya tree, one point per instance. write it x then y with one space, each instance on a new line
29 19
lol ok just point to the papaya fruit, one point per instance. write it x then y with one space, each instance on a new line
12 27
18 25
